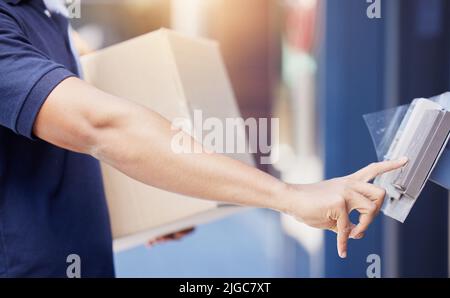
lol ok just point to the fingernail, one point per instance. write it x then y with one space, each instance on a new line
343 255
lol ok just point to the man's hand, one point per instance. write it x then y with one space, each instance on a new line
327 205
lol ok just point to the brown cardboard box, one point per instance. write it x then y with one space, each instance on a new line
173 75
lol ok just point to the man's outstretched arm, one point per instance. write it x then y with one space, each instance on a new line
137 141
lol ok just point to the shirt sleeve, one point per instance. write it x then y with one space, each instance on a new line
27 77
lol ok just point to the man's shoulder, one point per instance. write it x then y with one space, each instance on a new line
9 2
7 13
5 4
6 8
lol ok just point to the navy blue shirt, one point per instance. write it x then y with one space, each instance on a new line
52 202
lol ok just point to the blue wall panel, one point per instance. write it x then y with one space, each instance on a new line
424 57
352 70
351 84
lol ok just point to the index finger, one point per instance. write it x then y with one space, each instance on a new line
375 169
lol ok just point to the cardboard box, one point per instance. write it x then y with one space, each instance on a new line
173 75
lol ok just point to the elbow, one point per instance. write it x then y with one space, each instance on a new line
110 137
82 138
97 136
79 132
80 118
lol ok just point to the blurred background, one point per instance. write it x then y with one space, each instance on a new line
317 65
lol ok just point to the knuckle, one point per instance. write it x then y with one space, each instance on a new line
349 183
382 193
347 187
374 166
340 203
345 193
372 207
341 182
378 192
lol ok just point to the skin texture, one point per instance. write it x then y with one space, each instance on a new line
137 142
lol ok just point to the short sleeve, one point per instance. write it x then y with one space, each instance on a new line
27 77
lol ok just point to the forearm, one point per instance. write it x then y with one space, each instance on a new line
142 149
137 141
